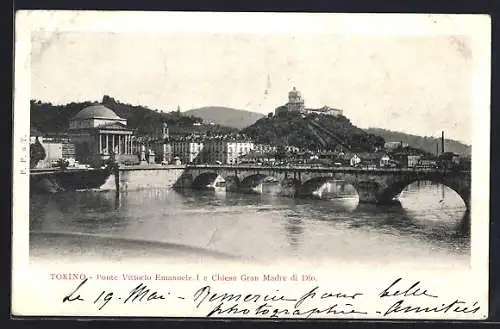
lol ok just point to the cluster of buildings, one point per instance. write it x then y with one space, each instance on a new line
218 150
97 135
212 150
93 136
296 104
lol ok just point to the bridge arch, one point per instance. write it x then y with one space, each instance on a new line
253 179
310 186
393 190
206 178
254 183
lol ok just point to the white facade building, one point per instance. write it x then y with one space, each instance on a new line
355 159
226 151
325 110
265 148
188 151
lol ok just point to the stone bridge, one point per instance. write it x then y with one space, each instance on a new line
379 185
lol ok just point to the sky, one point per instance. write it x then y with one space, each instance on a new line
415 84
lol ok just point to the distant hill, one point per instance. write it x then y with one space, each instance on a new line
49 118
427 144
226 116
313 132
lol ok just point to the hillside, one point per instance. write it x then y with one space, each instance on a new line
226 116
49 118
313 132
427 144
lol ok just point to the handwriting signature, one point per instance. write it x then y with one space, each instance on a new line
416 290
140 293
403 298
257 304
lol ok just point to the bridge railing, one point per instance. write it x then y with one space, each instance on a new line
324 169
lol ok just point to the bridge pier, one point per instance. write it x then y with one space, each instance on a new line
370 192
232 183
466 196
289 187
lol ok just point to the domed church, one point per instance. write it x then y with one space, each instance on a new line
97 133
296 104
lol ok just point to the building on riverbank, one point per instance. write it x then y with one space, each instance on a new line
98 133
188 151
212 149
227 150
56 147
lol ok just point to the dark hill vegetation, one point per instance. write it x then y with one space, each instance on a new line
313 132
49 118
226 116
427 144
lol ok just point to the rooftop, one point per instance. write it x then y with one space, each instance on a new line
96 111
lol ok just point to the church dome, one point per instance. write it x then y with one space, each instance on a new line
96 111
294 96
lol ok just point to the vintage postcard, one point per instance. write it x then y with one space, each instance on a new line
251 165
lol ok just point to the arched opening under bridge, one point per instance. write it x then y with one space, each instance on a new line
260 184
328 188
428 192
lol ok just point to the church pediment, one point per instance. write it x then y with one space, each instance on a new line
113 126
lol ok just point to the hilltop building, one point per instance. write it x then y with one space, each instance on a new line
296 104
98 133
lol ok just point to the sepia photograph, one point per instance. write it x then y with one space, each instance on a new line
312 147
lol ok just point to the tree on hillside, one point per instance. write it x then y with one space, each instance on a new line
107 99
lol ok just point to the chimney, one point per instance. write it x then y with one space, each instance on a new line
442 141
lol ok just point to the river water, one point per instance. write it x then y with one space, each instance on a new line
429 226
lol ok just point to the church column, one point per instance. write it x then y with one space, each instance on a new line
125 144
113 142
107 143
120 146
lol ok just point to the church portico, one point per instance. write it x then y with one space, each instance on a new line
118 142
99 134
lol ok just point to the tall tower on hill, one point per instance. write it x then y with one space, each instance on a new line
295 101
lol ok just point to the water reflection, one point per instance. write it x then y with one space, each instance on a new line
294 230
267 226
86 211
